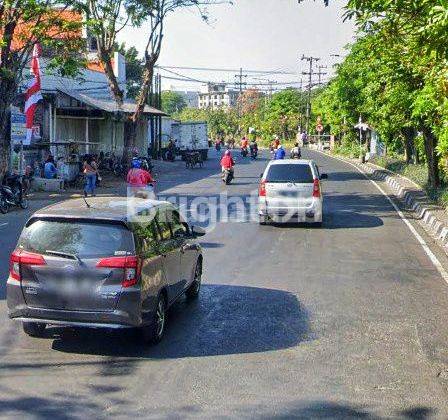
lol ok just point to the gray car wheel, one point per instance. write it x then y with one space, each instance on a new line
154 333
34 329
193 291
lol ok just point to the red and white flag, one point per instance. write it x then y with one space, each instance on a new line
33 94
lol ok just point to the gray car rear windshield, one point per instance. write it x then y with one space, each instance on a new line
300 174
84 239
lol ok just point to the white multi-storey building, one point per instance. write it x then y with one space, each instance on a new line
218 96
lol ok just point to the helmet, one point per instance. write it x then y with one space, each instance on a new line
227 153
136 164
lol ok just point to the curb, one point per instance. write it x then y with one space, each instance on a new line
415 200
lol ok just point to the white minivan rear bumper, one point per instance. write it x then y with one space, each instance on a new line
291 214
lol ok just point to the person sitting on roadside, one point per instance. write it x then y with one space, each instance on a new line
280 153
227 162
50 170
295 153
140 181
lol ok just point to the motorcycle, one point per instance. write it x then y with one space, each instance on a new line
227 176
146 164
170 155
253 153
244 152
118 168
12 193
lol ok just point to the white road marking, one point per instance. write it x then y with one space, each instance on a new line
3 224
419 238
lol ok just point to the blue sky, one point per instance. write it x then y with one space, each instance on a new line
253 34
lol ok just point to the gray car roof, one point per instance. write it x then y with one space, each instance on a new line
110 208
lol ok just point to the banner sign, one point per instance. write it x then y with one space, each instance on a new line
18 127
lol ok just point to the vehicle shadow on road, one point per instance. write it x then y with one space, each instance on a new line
333 410
224 320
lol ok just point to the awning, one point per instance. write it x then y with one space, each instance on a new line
109 105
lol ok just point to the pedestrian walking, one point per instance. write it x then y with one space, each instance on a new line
91 172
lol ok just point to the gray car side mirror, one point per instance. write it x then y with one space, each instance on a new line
197 231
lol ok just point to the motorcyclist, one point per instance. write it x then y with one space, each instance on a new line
295 153
170 154
140 181
253 148
227 162
280 153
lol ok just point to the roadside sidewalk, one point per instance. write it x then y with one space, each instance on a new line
432 217
110 185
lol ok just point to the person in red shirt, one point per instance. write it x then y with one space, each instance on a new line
139 181
227 161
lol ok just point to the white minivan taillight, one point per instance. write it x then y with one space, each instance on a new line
262 189
316 189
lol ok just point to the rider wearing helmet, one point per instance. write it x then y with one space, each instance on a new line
227 161
280 153
138 179
295 153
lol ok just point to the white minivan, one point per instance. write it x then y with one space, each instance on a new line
290 191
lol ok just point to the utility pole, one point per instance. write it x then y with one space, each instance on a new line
320 73
240 76
310 60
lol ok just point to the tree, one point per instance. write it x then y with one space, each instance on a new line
395 76
108 21
134 69
172 102
22 24
282 113
248 101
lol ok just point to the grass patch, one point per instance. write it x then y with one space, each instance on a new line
418 174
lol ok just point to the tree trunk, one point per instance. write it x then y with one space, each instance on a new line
408 135
130 128
432 157
7 93
4 140
130 134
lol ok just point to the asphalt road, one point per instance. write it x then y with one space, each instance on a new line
345 321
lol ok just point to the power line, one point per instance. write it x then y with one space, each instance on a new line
258 72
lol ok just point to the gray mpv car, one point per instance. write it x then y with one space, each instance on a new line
112 265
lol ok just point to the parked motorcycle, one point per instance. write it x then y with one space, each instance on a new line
227 176
12 193
146 163
118 169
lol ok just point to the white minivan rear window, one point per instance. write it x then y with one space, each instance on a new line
299 174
